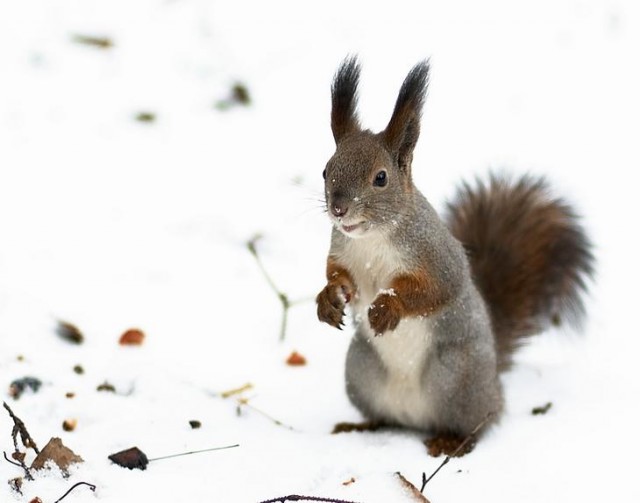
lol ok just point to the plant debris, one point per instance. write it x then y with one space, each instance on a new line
132 337
538 411
130 458
296 359
145 117
106 386
69 424
93 41
195 424
58 453
411 489
69 332
239 96
78 369
16 484
17 387
352 480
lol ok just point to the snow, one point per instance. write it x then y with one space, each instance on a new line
112 224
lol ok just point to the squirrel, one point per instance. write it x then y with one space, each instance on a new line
439 305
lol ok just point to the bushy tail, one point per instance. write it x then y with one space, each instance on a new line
529 256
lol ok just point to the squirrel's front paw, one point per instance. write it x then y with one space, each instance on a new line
384 313
331 305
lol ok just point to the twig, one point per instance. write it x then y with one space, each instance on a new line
286 302
27 441
236 391
195 452
91 486
457 451
244 402
295 497
15 463
19 427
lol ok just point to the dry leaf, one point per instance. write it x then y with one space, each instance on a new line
69 332
130 458
36 500
411 489
349 482
56 451
132 337
296 359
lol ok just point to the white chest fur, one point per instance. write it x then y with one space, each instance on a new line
373 262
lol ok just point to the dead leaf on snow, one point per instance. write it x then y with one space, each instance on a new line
69 332
130 458
296 359
132 337
411 489
58 453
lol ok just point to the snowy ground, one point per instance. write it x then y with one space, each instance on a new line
110 223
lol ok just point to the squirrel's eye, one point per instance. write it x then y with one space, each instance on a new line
324 173
380 179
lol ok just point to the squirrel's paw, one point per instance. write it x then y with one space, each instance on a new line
331 305
385 313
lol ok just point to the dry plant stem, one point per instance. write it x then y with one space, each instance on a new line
237 391
462 445
195 452
27 441
91 486
244 402
15 463
295 497
19 427
284 299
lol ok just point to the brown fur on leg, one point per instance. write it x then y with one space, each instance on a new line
449 444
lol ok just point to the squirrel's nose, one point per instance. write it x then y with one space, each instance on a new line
339 209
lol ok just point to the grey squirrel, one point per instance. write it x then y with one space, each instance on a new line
439 305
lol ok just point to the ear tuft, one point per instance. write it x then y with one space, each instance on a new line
344 99
403 130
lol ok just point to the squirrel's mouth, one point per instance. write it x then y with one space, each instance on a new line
353 230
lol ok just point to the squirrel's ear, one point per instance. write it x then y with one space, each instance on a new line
403 130
344 99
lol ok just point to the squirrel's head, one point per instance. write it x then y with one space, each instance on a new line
368 179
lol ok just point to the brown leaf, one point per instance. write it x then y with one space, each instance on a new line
69 332
132 337
56 451
296 359
130 458
411 489
36 500
19 456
